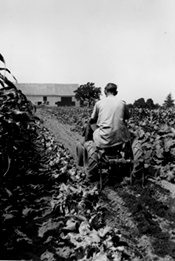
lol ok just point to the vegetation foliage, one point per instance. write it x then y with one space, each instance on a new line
169 102
87 93
149 103
16 121
153 129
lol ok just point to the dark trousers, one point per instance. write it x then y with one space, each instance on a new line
88 132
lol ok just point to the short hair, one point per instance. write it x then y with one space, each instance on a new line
112 88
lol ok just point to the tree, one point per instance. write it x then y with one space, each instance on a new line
140 103
150 103
157 106
130 106
87 93
168 102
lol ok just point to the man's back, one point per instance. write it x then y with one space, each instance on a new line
111 130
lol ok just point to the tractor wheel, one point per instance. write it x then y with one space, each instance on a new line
128 155
91 160
137 155
79 154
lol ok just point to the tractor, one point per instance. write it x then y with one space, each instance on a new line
110 164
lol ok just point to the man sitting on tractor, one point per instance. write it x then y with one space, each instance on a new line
107 127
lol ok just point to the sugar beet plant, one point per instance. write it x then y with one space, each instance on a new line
17 123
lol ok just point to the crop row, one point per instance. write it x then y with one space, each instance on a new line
154 130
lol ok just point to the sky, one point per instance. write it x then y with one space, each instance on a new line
127 42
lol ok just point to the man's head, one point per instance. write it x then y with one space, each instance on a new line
111 88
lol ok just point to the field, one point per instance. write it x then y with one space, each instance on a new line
48 214
142 215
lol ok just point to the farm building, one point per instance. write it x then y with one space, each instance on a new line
50 94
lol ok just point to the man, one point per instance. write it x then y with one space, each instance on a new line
109 115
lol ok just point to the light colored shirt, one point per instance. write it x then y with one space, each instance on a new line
109 115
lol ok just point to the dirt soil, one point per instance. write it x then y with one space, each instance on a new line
144 215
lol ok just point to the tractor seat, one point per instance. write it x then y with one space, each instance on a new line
113 151
110 153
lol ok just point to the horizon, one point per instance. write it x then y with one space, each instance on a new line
102 95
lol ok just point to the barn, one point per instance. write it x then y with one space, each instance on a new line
50 94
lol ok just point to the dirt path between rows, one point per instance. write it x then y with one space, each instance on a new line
145 216
62 132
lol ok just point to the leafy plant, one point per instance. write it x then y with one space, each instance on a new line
16 121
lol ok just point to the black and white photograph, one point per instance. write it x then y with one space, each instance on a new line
87 130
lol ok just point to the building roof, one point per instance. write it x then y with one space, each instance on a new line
47 89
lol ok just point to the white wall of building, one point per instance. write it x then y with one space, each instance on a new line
51 100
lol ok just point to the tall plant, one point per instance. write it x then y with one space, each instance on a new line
16 121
